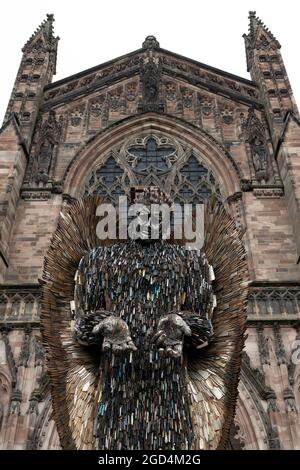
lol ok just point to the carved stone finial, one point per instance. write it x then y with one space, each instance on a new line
150 43
15 402
289 399
151 79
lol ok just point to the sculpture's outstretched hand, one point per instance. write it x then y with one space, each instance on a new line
170 334
116 335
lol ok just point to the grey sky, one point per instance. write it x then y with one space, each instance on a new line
94 31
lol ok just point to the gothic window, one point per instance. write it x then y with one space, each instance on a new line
109 172
193 170
251 305
29 304
262 305
289 304
150 157
275 304
106 180
3 304
16 306
154 160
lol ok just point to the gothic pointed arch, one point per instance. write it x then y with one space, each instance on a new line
253 426
170 146
44 435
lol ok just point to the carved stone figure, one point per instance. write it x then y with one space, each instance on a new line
254 131
15 402
151 78
49 137
147 362
259 155
1 414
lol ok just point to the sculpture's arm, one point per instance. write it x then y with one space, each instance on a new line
93 323
189 326
115 333
176 328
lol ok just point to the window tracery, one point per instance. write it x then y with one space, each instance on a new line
153 160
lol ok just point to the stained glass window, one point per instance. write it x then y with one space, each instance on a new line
151 161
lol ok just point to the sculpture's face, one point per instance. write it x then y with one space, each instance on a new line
150 226
152 215
144 219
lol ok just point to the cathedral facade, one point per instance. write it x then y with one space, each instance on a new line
154 117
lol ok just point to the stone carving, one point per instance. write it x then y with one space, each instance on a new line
289 399
115 98
34 400
70 87
263 346
193 73
206 105
50 135
95 79
25 350
187 97
38 352
262 42
227 115
170 65
237 438
1 414
15 402
153 160
271 193
279 346
76 116
170 91
272 403
19 305
150 43
292 366
274 441
268 301
259 155
96 105
151 82
34 194
131 91
257 379
254 131
9 356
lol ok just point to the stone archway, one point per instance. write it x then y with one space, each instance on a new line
207 150
44 435
153 159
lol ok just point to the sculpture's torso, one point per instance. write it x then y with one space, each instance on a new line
144 402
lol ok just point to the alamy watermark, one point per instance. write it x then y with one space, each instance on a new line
149 222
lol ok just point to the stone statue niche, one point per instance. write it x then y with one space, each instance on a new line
50 135
259 158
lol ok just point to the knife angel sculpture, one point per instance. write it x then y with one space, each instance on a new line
143 340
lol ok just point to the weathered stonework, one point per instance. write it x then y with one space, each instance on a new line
246 133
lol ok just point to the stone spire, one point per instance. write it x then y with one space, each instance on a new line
47 31
37 67
257 29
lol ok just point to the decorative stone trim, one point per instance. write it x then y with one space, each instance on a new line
272 301
268 192
19 304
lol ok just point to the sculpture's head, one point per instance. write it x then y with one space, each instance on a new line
150 214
